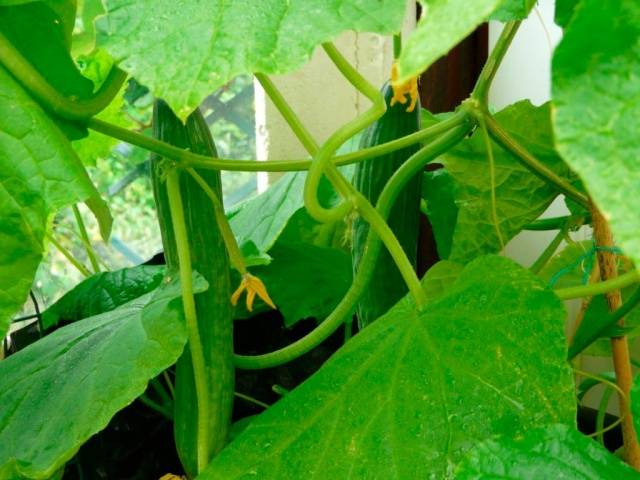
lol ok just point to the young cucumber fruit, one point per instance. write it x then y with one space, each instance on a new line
387 285
214 312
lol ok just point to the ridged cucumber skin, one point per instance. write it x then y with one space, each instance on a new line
387 285
209 258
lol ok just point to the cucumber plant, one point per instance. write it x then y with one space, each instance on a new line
468 372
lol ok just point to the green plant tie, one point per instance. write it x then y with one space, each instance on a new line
588 257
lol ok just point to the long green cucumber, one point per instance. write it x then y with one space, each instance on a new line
213 307
387 285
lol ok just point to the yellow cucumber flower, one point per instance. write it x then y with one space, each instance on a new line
400 90
253 285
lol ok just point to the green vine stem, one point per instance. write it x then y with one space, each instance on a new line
289 115
93 259
397 45
529 161
372 248
49 97
165 412
481 89
614 317
68 255
492 176
189 306
252 400
548 252
609 384
162 392
623 281
382 230
189 159
358 201
555 223
321 163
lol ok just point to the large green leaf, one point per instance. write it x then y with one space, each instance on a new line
103 292
184 50
556 451
412 392
59 391
442 26
596 92
520 195
39 174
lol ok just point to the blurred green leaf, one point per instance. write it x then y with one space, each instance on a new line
596 95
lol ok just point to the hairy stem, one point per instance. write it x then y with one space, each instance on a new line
49 97
481 89
93 259
321 163
288 114
555 223
189 306
378 224
613 319
599 288
619 345
68 255
492 176
252 400
397 45
168 414
548 252
530 162
189 159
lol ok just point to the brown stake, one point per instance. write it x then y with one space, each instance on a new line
619 345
